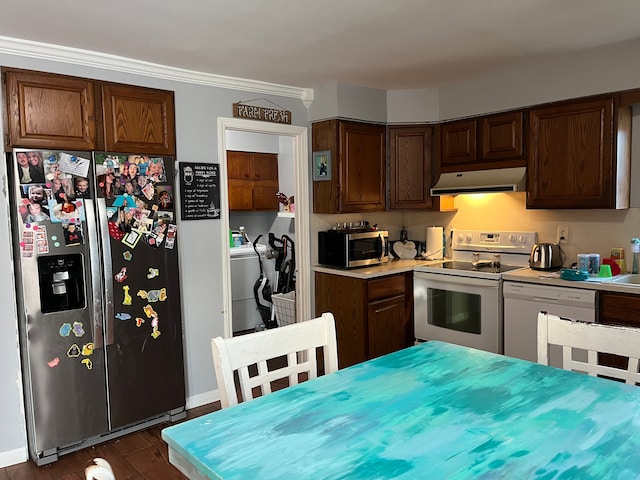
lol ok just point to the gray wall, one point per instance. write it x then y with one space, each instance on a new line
198 107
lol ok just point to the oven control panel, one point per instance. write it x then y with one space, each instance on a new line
498 241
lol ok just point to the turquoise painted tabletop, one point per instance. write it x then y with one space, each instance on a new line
433 411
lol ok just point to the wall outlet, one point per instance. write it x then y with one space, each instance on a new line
563 234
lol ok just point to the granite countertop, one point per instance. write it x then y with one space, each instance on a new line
524 274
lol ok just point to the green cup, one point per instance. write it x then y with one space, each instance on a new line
605 271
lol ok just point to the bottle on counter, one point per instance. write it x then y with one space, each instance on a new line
635 252
403 234
244 237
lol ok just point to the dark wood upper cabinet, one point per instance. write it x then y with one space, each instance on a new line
363 155
493 141
138 119
358 167
458 143
580 155
502 136
410 167
45 110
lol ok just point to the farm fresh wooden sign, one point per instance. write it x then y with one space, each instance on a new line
274 115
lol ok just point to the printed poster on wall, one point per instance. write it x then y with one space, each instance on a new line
200 191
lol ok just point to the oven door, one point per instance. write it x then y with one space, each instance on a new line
462 310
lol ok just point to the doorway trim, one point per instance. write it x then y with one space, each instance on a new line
301 220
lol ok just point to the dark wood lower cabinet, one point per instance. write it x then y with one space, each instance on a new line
373 317
618 309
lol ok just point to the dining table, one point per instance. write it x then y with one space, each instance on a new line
431 411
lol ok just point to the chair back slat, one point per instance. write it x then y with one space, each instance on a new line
296 342
595 338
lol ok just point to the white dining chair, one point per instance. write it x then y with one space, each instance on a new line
298 342
595 338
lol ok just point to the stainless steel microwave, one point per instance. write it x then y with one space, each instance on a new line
350 249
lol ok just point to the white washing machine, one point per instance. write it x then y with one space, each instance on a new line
245 271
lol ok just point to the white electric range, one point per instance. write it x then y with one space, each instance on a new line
460 299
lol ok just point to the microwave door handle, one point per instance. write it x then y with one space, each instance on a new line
379 247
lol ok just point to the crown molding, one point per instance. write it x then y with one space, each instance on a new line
59 53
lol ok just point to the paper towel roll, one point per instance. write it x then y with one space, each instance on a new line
434 242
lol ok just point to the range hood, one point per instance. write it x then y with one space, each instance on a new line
481 181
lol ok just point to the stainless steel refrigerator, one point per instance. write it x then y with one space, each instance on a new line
96 263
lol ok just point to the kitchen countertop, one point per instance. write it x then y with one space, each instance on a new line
525 275
389 268
528 275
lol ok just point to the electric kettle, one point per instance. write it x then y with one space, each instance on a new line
546 256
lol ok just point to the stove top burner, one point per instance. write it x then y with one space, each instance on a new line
470 267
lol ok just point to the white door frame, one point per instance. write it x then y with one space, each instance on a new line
301 222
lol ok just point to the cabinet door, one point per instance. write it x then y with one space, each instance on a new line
49 111
618 309
252 180
265 181
363 159
502 137
265 166
240 195
571 161
458 143
264 195
138 119
385 320
239 165
345 298
410 168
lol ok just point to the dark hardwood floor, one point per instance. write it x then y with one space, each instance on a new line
137 456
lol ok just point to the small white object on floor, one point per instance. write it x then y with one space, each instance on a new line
99 470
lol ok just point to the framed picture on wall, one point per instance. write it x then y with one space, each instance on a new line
322 166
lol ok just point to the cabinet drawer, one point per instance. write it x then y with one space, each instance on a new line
385 287
619 309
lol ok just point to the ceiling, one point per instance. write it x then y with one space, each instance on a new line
401 44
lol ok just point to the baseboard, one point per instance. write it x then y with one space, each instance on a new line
12 457
202 399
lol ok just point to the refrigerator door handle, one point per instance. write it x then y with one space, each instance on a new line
94 265
107 285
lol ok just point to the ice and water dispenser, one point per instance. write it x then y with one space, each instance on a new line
61 279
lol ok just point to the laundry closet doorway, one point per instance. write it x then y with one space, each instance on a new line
290 144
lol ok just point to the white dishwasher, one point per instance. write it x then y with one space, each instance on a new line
523 301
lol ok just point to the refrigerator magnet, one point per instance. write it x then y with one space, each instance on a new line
74 351
131 239
65 330
127 297
54 362
121 276
78 329
115 232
